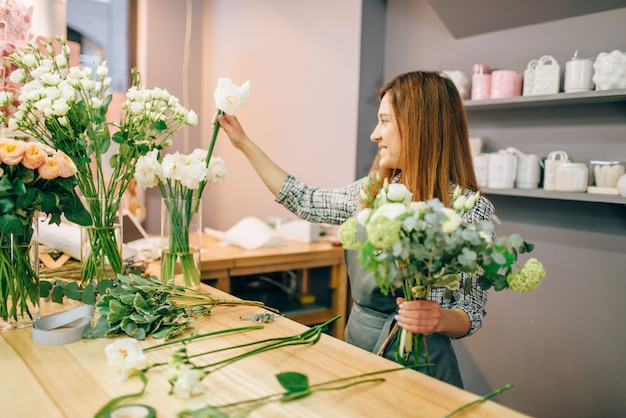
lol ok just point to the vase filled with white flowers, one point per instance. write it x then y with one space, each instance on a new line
181 179
65 108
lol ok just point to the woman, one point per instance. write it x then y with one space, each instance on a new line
422 139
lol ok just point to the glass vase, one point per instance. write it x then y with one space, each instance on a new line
19 279
101 243
181 240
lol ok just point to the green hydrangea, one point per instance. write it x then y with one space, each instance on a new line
527 278
383 232
347 235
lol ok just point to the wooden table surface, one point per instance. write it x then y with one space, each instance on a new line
73 380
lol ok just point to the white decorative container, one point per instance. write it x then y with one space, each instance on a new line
610 70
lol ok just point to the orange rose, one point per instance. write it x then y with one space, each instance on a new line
66 166
34 155
11 151
49 169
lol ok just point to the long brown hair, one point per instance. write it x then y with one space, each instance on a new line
434 135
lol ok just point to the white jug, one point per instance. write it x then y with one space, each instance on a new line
528 171
481 168
555 159
502 170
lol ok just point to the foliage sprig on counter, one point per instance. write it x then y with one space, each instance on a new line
145 306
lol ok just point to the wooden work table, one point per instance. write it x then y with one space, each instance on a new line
73 380
225 263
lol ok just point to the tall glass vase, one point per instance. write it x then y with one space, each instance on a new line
101 243
19 280
181 237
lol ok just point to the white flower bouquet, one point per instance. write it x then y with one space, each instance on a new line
415 246
182 179
65 108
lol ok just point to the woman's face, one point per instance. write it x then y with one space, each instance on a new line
387 135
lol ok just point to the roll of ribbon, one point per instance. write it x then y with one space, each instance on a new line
135 411
63 327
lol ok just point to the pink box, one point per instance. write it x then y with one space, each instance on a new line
481 86
505 83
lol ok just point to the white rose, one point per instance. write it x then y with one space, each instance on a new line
390 210
217 170
398 193
228 96
148 171
125 357
186 381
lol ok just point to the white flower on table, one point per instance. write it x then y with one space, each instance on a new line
186 381
125 357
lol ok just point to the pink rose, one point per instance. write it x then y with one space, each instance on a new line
34 155
11 151
66 166
49 169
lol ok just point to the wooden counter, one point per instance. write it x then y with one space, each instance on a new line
73 380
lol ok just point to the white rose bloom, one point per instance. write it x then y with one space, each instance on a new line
390 210
148 171
199 154
125 357
228 96
398 193
174 166
194 172
217 170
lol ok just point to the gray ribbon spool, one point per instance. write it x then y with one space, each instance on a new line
63 327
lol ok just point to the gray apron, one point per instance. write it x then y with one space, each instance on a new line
371 320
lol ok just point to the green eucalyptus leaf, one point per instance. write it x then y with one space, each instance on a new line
72 291
99 330
45 287
89 294
57 294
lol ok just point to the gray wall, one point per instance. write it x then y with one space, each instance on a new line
563 345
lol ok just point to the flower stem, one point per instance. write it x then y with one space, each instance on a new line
104 412
481 399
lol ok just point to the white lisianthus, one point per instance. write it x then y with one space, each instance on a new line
125 357
228 96
186 381
398 193
390 211
363 216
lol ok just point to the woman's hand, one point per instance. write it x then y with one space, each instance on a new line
419 316
230 124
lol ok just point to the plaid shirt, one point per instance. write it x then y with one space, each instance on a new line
334 206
